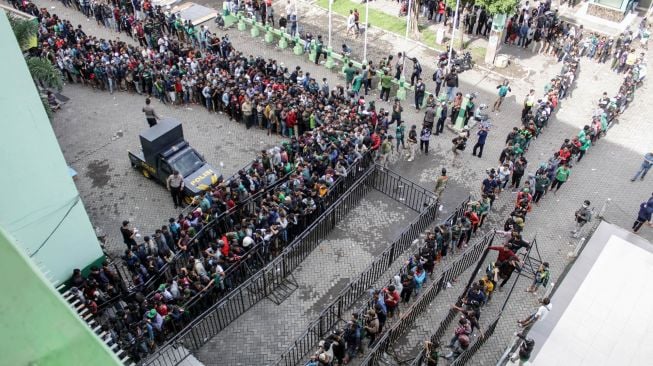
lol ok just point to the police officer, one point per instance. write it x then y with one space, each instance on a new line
175 184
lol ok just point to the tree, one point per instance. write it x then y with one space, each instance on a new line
493 7
413 18
42 70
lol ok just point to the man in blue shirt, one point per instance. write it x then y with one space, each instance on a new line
644 168
490 186
480 143
644 215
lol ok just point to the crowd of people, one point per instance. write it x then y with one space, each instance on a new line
540 30
547 177
271 201
263 206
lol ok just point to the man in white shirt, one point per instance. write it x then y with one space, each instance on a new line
539 314
175 184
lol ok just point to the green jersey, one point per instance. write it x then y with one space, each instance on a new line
349 74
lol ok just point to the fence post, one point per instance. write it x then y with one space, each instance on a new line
340 308
392 253
265 283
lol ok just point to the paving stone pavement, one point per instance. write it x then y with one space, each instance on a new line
261 334
604 172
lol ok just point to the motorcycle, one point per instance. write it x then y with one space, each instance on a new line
481 116
463 63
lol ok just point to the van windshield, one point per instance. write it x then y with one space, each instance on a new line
187 163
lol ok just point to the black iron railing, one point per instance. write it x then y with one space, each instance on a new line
408 317
399 189
255 288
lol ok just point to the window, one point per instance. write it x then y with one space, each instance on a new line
187 163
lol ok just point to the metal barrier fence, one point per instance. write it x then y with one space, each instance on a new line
402 190
222 222
260 285
464 357
453 270
406 192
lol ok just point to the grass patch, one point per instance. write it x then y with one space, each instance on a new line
377 18
395 25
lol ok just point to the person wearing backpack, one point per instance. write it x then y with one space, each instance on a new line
542 277
417 71
438 78
583 216
503 91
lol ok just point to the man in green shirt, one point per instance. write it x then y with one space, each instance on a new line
503 91
385 151
358 82
441 183
399 134
386 84
349 74
562 175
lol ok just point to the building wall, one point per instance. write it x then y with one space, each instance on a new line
38 327
39 203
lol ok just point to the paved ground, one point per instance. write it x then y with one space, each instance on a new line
94 141
260 335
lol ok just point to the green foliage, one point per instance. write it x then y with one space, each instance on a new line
499 6
44 72
24 31
492 6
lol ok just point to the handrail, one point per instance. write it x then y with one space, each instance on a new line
453 270
285 262
356 287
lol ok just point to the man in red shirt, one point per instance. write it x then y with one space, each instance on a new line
504 254
391 296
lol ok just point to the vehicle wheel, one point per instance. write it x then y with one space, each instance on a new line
188 200
146 173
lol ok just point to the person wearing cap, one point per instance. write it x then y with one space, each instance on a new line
153 318
583 215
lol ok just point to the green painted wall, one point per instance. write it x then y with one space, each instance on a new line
37 327
36 192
